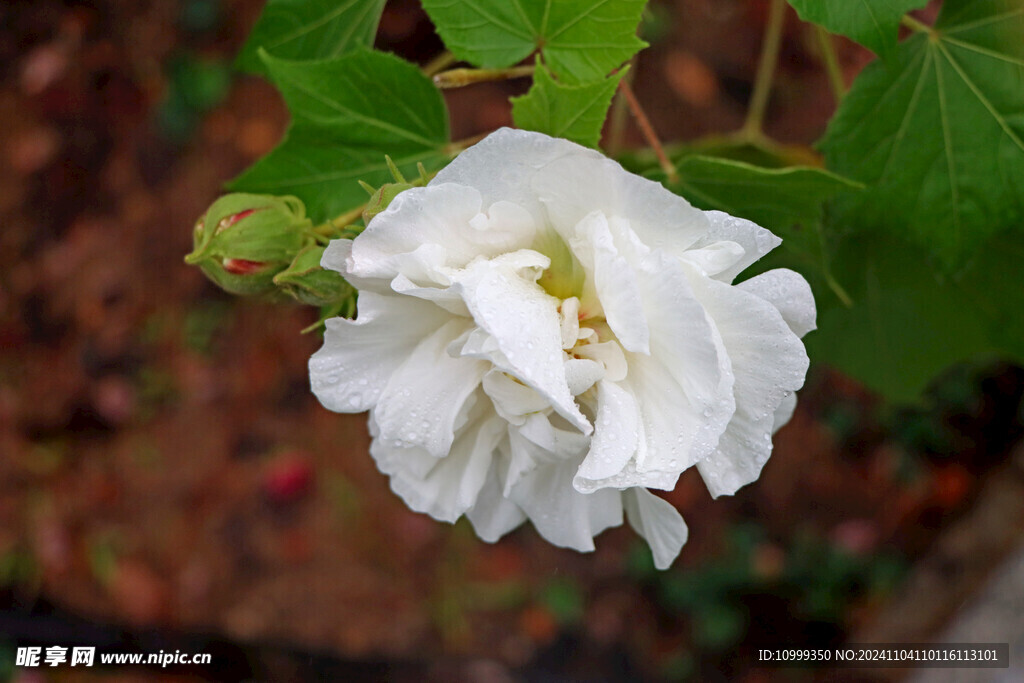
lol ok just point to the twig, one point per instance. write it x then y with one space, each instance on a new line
331 227
648 131
766 68
457 78
453 148
832 68
439 63
915 25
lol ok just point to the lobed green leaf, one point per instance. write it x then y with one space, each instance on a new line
776 198
581 40
310 29
347 113
937 134
575 113
872 23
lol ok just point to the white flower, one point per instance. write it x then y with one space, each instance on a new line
542 335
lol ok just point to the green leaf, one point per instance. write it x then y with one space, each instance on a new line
872 23
310 29
787 201
938 134
347 113
575 113
776 198
993 282
906 325
581 40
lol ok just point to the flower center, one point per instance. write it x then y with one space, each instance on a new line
564 278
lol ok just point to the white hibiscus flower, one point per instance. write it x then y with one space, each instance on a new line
542 335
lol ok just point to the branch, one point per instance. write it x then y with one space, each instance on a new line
456 78
648 131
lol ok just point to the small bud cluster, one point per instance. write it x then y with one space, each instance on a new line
252 244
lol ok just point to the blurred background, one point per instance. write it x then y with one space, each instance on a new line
167 481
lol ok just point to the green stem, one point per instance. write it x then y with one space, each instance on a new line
457 78
439 63
915 25
766 68
454 148
334 226
832 68
837 288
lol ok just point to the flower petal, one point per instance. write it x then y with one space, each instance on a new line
685 387
658 522
715 258
561 515
537 442
512 399
784 413
351 369
769 363
494 515
336 257
524 322
755 240
616 435
572 187
424 396
789 292
446 487
500 166
614 280
450 219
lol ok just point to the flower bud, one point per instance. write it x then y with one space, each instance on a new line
382 198
310 283
244 240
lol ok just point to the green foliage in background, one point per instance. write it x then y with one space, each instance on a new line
910 234
819 578
938 134
348 113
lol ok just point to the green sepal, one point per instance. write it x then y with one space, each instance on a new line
344 309
243 240
382 199
310 283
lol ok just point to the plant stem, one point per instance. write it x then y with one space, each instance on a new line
766 68
828 55
439 63
456 146
617 127
647 130
457 78
331 227
915 25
